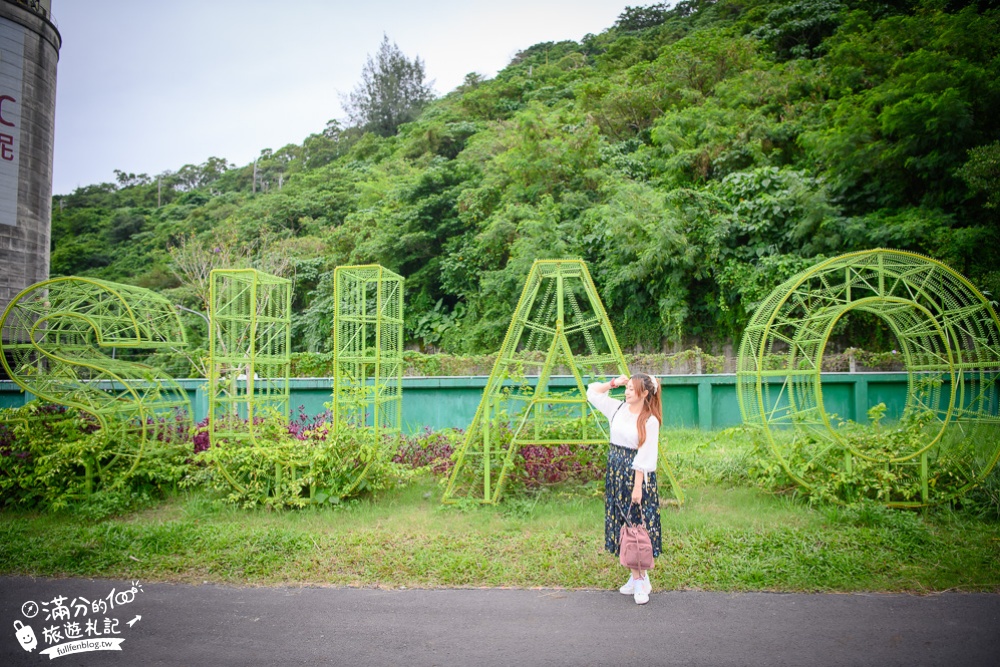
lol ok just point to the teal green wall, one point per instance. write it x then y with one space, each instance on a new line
707 402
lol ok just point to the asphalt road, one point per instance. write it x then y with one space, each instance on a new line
223 625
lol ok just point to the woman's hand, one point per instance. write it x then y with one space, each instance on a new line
637 494
620 381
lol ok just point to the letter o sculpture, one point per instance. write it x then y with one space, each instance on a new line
949 338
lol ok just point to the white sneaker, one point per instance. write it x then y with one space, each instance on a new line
629 587
641 592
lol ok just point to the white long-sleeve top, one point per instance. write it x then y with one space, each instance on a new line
625 428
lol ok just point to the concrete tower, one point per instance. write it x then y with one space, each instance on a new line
29 52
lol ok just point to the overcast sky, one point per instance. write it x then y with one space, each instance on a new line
147 86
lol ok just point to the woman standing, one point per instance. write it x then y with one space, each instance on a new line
630 480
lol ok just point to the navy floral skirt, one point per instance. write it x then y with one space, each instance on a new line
618 481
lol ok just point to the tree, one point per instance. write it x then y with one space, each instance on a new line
982 172
391 92
797 30
193 258
640 18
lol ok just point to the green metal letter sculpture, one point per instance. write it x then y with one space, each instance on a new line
367 352
559 322
949 339
249 355
57 336
368 348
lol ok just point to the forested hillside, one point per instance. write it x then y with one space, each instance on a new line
694 157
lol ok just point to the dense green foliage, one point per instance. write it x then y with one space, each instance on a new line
695 157
54 458
290 467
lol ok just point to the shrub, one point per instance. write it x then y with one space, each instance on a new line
296 463
52 457
430 450
541 465
884 467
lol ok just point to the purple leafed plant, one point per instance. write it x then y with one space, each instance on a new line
300 427
302 423
201 438
554 465
428 448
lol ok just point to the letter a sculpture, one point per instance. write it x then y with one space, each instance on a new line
559 326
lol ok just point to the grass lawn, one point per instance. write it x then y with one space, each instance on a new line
723 539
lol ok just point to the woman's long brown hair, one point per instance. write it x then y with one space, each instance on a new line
651 403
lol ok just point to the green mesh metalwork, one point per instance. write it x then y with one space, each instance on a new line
249 352
559 326
59 341
948 339
368 348
367 353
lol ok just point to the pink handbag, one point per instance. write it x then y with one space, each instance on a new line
635 549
